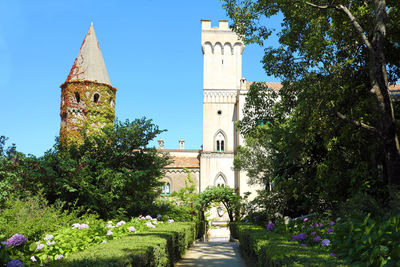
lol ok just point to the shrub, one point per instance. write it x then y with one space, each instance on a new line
369 242
161 246
265 248
32 217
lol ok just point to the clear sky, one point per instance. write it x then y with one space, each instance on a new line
152 53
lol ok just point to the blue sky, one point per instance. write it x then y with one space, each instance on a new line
152 53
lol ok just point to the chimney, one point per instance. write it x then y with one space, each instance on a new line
160 143
243 83
181 144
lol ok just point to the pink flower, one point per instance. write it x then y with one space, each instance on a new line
170 221
155 222
131 229
305 219
59 257
39 246
83 226
120 223
75 225
110 226
148 217
109 232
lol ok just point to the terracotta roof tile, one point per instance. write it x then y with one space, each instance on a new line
184 162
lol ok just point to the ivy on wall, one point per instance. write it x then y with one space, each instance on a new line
85 106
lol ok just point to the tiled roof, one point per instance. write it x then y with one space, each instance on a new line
184 162
273 86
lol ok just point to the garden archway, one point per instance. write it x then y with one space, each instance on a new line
225 195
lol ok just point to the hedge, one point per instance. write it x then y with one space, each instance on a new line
265 248
161 246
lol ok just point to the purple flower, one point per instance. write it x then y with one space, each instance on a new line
15 263
325 242
311 226
131 229
303 227
48 237
301 236
312 233
321 225
316 225
270 226
148 217
330 230
83 226
75 225
317 239
170 221
110 226
303 245
39 246
49 243
332 223
294 238
16 240
59 257
332 254
155 222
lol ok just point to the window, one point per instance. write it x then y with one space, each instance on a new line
220 182
166 189
77 97
96 97
220 142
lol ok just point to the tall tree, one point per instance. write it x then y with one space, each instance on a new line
353 45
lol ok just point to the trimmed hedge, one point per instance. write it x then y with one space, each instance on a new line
161 246
265 248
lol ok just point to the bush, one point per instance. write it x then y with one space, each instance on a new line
369 242
32 217
265 248
161 246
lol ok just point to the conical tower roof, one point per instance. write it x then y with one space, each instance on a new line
89 65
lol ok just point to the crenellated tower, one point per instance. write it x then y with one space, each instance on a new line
222 71
87 96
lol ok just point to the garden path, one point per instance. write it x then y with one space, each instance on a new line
214 253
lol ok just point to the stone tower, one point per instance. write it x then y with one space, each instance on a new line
87 96
222 73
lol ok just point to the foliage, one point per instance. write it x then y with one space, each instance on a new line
179 205
158 247
266 248
61 243
114 173
32 217
226 195
368 242
309 153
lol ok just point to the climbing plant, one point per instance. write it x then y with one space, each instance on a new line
225 195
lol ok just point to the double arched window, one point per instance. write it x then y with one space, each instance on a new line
220 142
220 181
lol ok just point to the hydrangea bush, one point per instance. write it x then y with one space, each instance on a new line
59 244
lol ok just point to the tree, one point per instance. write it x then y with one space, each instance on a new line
114 173
340 46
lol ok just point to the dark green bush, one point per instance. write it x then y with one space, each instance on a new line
161 246
369 242
32 217
264 248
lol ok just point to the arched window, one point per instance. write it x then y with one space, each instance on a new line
220 142
220 182
166 189
77 97
96 97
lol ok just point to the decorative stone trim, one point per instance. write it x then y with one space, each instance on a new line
217 155
181 170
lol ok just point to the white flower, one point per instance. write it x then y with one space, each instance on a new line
48 237
60 256
109 232
33 258
131 229
120 223
75 225
49 243
103 242
110 226
39 246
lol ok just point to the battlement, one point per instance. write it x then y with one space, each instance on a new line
220 39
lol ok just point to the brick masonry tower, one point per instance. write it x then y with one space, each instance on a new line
87 96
